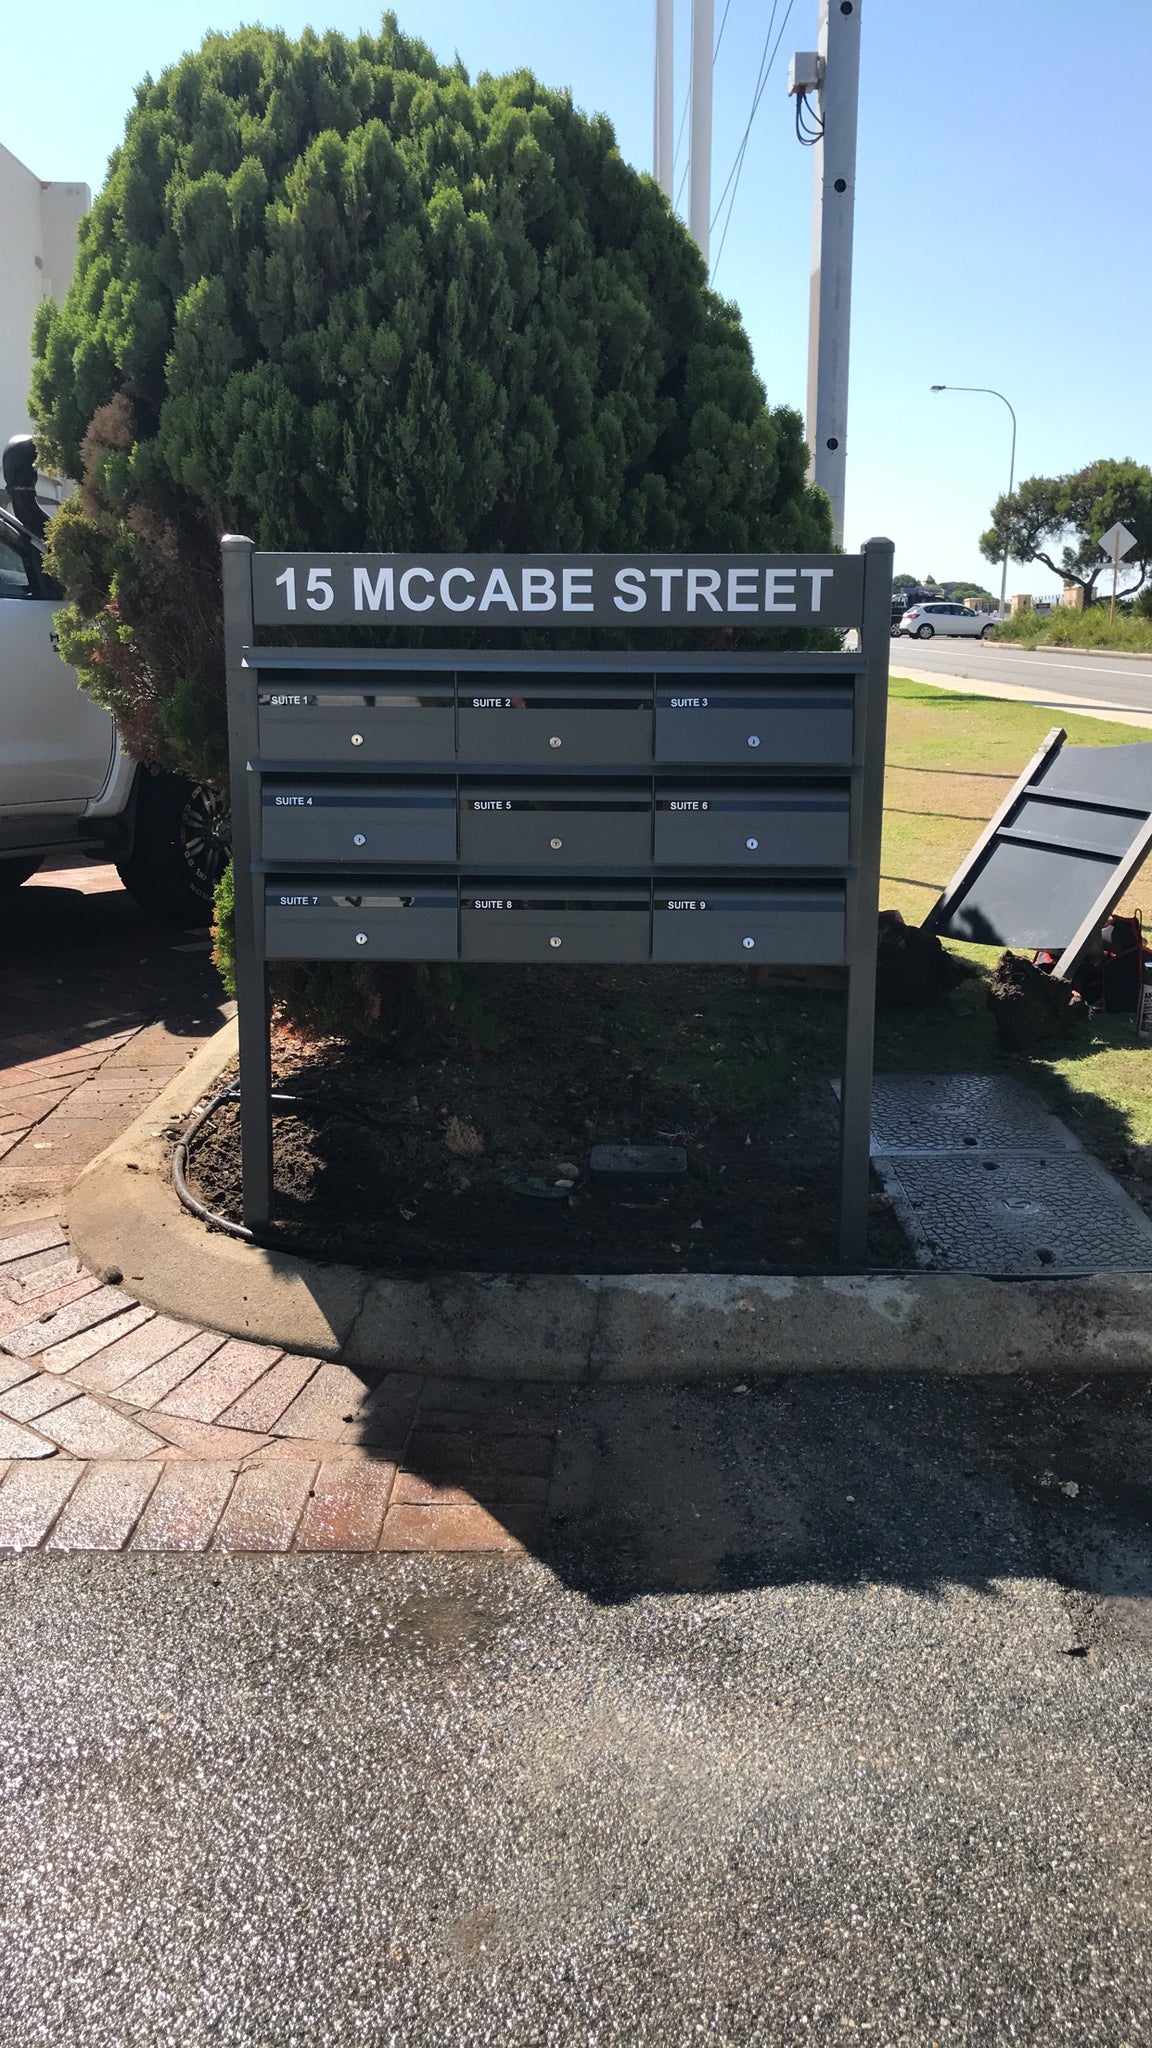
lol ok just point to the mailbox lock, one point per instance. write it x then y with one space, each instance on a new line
555 942
555 844
357 739
751 844
358 839
362 939
748 942
753 739
555 741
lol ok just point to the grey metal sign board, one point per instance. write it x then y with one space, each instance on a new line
407 802
532 591
1058 855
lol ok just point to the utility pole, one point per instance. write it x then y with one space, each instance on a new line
700 126
837 84
662 119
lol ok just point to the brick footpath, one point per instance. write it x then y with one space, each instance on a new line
122 1429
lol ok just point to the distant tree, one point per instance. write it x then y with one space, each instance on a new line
1058 520
963 592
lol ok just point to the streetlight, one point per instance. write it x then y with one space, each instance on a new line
987 391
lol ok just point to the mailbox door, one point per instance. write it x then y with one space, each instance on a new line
555 921
357 720
730 722
558 722
742 925
358 820
541 826
794 825
377 920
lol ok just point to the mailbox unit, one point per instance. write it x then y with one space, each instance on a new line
717 808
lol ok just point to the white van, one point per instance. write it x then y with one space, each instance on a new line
65 779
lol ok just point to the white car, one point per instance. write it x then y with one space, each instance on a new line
935 615
66 782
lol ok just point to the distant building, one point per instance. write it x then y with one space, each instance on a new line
38 223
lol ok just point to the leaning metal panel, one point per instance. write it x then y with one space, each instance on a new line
962 1112
1017 1214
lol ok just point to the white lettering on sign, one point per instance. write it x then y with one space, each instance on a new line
631 595
665 578
537 590
686 903
457 604
297 902
280 701
369 595
491 903
703 583
577 585
779 590
281 800
816 579
486 803
693 806
497 590
742 591
688 703
491 703
417 604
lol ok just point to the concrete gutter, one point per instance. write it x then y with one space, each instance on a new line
125 1222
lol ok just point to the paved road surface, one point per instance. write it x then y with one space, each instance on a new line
820 1716
1043 672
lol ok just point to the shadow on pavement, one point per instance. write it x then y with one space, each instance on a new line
922 1484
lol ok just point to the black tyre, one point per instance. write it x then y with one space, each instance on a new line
15 872
180 848
984 632
925 632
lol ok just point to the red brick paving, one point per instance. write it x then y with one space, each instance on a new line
346 1504
122 1429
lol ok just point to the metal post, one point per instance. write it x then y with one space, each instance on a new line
1115 577
251 972
830 304
700 126
863 907
663 119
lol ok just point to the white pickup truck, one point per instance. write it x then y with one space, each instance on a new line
65 779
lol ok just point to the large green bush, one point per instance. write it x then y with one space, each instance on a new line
333 293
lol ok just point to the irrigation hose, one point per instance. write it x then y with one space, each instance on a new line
201 1211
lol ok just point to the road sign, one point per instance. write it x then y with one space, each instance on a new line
1117 542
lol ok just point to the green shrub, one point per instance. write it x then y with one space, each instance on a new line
335 294
1091 628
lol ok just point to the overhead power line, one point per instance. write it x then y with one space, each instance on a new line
733 180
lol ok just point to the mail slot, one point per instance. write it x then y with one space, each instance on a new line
377 920
547 825
786 824
554 921
714 718
358 820
558 722
741 925
357 720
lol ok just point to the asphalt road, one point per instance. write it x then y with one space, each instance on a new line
821 1715
1045 670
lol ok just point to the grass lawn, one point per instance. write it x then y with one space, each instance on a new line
951 759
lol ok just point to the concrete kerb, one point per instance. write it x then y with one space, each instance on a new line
124 1220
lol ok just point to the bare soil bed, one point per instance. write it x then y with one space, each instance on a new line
447 1157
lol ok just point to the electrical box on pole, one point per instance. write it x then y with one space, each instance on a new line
832 73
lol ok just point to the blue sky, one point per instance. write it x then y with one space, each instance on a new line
1000 215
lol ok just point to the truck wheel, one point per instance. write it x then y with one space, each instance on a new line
14 872
180 849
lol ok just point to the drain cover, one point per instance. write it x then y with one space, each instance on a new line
1012 1214
963 1112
